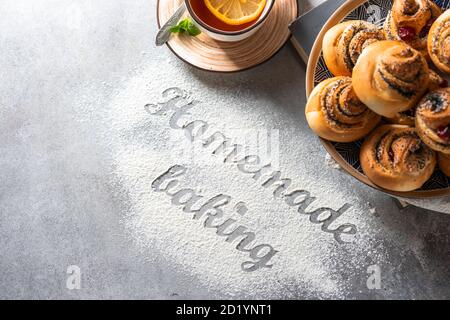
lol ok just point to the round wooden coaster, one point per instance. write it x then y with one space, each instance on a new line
209 54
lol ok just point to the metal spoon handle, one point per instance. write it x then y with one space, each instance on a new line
164 33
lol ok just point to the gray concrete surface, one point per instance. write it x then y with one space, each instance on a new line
62 63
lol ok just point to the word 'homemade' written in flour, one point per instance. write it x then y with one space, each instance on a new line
179 103
212 209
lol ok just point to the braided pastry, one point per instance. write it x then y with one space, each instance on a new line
410 21
439 42
344 43
335 113
433 120
390 77
394 158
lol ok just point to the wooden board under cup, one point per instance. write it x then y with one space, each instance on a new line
212 55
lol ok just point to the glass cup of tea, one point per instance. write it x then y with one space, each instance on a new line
210 25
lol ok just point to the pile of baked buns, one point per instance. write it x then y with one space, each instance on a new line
389 89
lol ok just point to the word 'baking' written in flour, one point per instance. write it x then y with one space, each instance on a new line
213 214
179 103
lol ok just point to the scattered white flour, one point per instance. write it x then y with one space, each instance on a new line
372 209
309 264
330 162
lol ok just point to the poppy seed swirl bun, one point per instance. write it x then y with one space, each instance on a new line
390 77
433 120
416 18
343 44
335 113
394 158
439 42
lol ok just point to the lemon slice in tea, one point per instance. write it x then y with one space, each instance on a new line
236 12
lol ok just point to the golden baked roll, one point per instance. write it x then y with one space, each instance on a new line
335 113
433 120
342 45
390 77
393 157
410 21
444 163
439 42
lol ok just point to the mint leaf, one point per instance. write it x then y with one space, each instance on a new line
186 25
193 30
175 29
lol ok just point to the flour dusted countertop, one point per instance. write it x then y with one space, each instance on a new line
120 164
